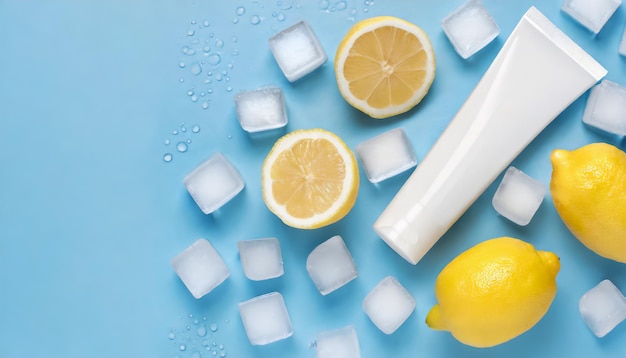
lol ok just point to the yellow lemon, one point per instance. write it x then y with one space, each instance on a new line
310 178
384 66
588 188
494 291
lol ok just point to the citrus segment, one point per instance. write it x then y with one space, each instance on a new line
310 179
384 66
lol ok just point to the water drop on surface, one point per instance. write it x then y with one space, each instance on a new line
188 141
324 5
194 98
196 129
205 105
196 69
214 59
341 5
181 64
281 17
201 331
229 89
206 23
177 147
219 43
167 142
190 93
167 158
210 90
241 10
218 77
222 354
206 50
183 129
182 147
213 328
214 353
174 132
196 355
182 347
211 35
235 20
255 20
172 335
193 22
191 32
181 80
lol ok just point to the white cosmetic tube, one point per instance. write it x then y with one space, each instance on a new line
536 75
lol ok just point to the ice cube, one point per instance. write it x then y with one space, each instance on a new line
606 108
388 305
213 183
261 109
470 28
602 308
297 51
200 267
386 155
265 319
261 258
518 196
592 14
330 265
338 343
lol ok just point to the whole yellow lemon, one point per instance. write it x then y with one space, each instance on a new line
588 187
494 291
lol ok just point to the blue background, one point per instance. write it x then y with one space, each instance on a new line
91 214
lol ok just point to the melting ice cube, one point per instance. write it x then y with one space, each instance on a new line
606 108
330 265
388 305
297 51
213 183
261 258
602 308
386 155
592 14
265 319
338 343
518 196
200 267
470 28
261 109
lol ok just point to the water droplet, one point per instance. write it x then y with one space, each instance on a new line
274 14
188 141
181 80
222 354
174 132
203 317
190 93
221 346
196 354
183 129
202 94
182 147
224 72
235 20
195 41
206 23
230 136
201 331
214 344
172 335
219 43
206 50
182 347
234 39
196 129
194 98
167 158
235 52
214 353
241 10
229 89
218 77
191 32
324 5
167 142
365 10
196 69
181 64
213 328
255 20
210 90
281 17
205 105
193 22
227 78
214 59
211 35
177 147
341 5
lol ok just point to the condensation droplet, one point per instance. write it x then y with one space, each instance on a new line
194 98
174 132
255 20
214 59
181 80
219 43
191 32
167 158
181 64
324 5
222 354
182 347
205 105
201 331
235 20
188 141
280 17
229 89
167 142
190 93
213 328
196 69
172 335
195 128
206 23
182 147
241 10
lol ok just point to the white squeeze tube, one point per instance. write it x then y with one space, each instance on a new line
536 75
